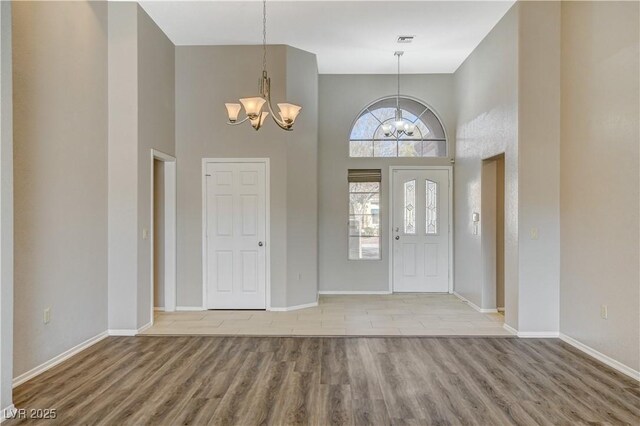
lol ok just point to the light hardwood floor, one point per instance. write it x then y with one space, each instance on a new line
200 380
340 315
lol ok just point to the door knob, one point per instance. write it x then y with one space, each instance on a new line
397 237
260 243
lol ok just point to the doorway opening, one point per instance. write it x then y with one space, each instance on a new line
163 232
492 214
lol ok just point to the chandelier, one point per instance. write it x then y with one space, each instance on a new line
253 106
400 125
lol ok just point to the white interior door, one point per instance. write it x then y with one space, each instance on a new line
235 235
420 203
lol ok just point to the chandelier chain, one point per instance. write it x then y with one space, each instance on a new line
264 35
398 97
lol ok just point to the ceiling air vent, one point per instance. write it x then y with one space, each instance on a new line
405 39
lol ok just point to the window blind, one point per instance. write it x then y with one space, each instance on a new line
364 175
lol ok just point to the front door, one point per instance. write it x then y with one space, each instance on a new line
235 235
420 230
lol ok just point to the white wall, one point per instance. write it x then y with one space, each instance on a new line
342 98
486 91
600 177
6 209
60 158
206 78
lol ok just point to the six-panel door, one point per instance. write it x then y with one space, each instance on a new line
235 233
420 231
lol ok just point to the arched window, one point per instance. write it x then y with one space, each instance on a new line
374 133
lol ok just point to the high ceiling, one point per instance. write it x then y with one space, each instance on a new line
348 37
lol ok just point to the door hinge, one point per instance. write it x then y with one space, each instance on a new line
207 175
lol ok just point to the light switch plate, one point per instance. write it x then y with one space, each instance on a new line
534 233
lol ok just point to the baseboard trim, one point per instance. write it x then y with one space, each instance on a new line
7 413
474 306
58 359
144 327
122 332
128 331
531 334
538 334
158 309
190 308
510 329
328 292
616 365
501 309
294 308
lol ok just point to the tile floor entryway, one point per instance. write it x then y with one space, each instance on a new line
342 315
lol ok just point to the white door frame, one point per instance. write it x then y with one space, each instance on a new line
267 242
449 170
169 230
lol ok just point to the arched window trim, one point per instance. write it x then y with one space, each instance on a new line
427 108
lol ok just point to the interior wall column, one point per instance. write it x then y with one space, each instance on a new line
6 209
123 168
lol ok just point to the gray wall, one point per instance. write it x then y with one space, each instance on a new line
156 129
123 164
486 88
302 181
6 208
507 87
141 117
206 78
60 151
539 167
600 177
342 98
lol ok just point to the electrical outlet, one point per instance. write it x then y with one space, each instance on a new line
47 316
534 233
604 312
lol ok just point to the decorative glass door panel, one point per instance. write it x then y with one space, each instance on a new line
420 204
